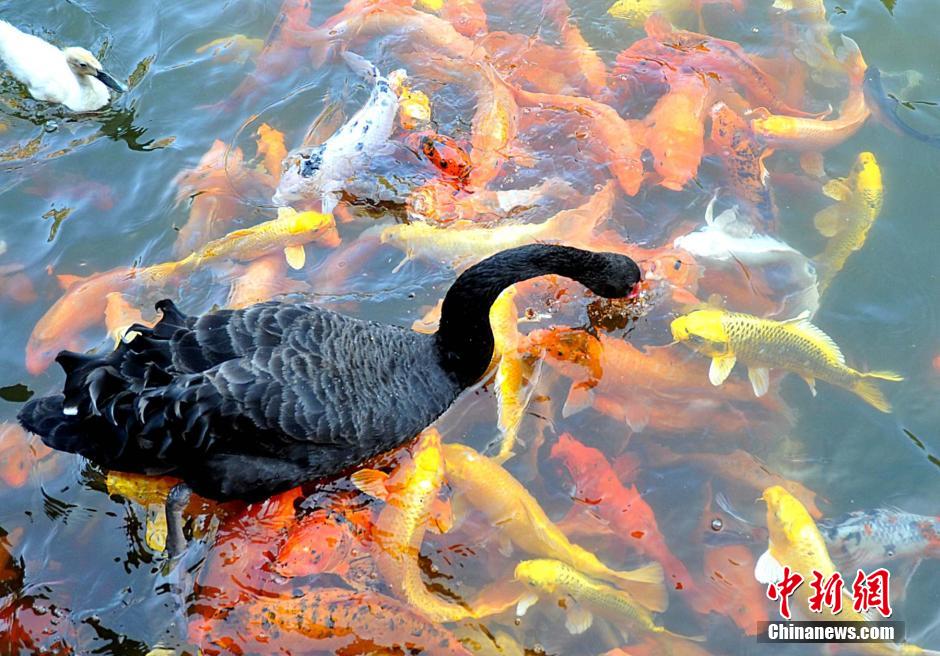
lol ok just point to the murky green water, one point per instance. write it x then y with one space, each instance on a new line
83 195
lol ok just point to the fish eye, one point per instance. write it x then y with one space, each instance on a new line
677 265
696 339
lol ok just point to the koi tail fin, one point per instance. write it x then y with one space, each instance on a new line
646 585
866 388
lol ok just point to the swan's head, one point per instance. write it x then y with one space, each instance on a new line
612 275
83 63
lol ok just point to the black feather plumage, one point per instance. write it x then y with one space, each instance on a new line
245 403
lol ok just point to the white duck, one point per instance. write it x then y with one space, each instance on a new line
70 76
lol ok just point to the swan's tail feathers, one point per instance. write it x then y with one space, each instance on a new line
62 429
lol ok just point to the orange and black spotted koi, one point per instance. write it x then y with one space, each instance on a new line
446 154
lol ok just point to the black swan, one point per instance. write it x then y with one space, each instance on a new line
246 403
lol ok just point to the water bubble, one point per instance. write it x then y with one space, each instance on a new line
717 524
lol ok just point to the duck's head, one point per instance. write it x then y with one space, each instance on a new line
84 63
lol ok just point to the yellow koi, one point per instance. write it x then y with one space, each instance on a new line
795 542
555 578
860 198
414 108
491 489
803 133
514 381
462 243
761 344
236 47
411 495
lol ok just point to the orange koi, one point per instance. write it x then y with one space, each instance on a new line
212 189
592 68
616 134
728 586
801 133
341 621
16 285
320 542
119 315
80 307
532 63
709 57
19 453
261 281
272 150
494 127
659 372
675 130
445 153
621 507
467 16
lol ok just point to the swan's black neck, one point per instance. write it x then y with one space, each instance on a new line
465 339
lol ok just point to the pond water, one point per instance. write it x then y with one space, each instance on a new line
83 194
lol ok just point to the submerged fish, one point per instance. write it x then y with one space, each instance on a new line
582 597
464 242
761 344
803 133
520 517
869 537
410 494
321 171
621 507
860 198
885 109
795 542
772 267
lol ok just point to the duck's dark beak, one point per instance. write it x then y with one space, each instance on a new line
109 81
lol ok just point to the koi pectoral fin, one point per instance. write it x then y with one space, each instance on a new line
720 369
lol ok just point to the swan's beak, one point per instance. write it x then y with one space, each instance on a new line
109 81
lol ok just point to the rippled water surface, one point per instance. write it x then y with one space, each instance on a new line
85 194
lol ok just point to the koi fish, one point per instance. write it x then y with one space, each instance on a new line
614 366
439 202
740 468
795 542
15 285
320 542
521 519
811 43
622 508
233 48
494 126
675 131
271 149
618 136
446 155
212 189
742 158
860 198
636 12
709 57
885 109
772 269
561 581
871 537
592 67
332 620
261 281
795 345
79 308
467 16
464 242
414 108
515 378
288 232
151 493
399 530
321 171
802 133
729 587
19 453
119 315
